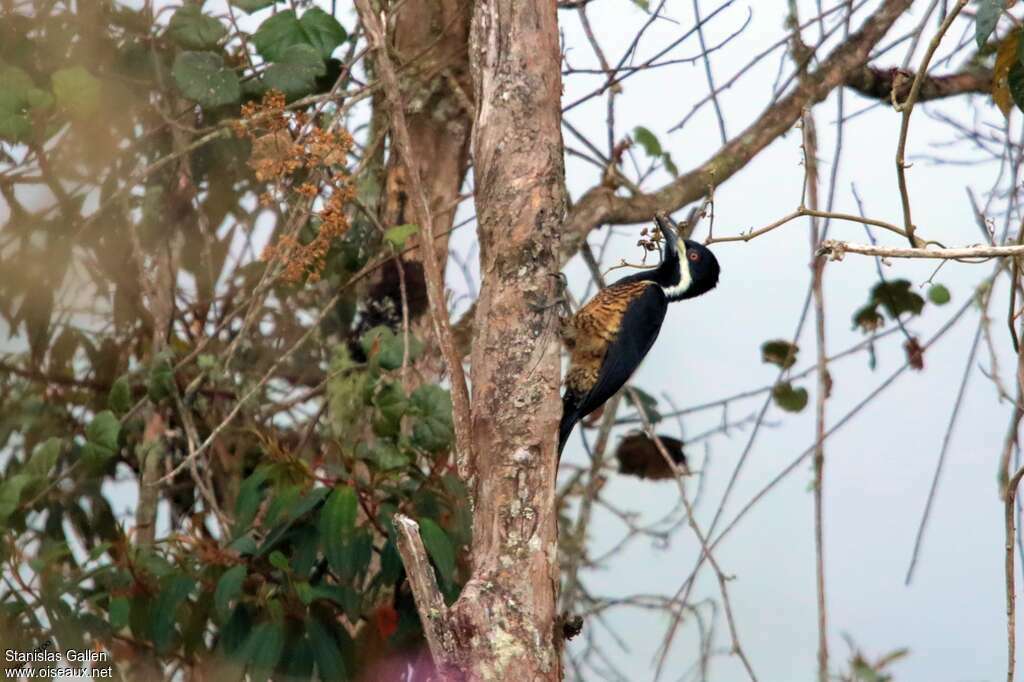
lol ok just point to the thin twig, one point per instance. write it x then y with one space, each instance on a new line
942 452
431 265
837 249
810 148
907 107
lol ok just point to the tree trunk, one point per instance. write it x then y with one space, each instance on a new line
505 619
504 624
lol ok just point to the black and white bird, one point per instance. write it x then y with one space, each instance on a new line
610 335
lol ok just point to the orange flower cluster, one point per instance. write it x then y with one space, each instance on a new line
301 160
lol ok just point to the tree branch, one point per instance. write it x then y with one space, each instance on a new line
838 249
602 205
431 264
878 83
429 602
906 108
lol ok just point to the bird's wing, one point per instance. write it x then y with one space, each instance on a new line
638 329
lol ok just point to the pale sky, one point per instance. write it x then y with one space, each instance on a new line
879 467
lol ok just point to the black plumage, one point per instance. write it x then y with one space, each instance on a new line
610 335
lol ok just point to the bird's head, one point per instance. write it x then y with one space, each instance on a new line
689 274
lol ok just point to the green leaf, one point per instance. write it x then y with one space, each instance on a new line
789 398
337 527
389 399
388 457
15 125
360 553
277 33
279 561
263 648
250 494
15 80
1015 81
298 664
18 96
192 29
305 541
338 594
987 17
253 5
202 77
294 507
295 73
120 397
670 165
43 458
386 348
119 612
779 352
868 318
235 632
161 381
77 91
939 295
329 663
440 548
175 590
433 429
390 563
896 298
345 391
244 545
646 139
305 593
322 31
10 493
103 431
397 235
229 588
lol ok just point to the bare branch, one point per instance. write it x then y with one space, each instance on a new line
837 249
879 83
601 205
907 108
429 602
431 264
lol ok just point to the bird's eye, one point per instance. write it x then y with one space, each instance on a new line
693 255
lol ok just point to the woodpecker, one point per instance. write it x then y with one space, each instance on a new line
610 335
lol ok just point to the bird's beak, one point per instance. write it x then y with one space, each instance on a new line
669 230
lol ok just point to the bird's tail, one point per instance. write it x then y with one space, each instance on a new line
570 415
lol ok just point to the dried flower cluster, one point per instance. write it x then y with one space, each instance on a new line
297 157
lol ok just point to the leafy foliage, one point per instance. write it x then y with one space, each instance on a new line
939 295
986 18
779 352
895 298
788 397
275 437
316 29
1008 71
652 147
203 77
193 30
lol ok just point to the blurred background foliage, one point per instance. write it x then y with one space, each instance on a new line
189 240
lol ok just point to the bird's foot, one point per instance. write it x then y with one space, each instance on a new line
539 307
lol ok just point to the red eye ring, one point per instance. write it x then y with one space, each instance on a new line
693 255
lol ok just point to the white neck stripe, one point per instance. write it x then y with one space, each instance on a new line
685 279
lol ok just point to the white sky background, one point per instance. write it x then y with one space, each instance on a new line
879 467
